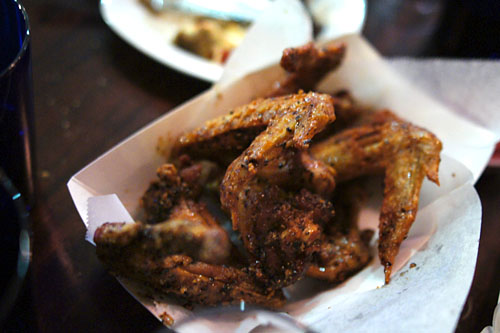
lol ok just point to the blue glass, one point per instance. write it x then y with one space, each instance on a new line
16 98
14 244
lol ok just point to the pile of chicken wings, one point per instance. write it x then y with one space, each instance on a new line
286 170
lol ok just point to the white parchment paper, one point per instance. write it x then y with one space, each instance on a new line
442 243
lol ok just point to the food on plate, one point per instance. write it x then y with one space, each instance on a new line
210 38
286 170
207 37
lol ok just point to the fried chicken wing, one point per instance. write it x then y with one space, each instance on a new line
166 258
279 234
306 66
404 153
225 137
235 131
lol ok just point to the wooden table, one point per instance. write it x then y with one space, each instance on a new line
91 91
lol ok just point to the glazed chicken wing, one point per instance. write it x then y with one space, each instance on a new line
278 233
404 152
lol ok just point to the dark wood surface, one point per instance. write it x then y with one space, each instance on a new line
91 91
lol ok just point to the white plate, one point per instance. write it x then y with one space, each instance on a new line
152 35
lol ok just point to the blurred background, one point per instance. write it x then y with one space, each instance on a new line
434 28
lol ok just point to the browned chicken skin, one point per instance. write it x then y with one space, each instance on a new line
340 256
225 137
173 185
235 131
177 236
279 236
404 152
306 66
173 262
368 153
344 249
188 254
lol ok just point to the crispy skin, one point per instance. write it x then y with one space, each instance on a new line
235 131
172 186
344 249
340 256
404 153
278 231
289 132
306 66
185 256
125 251
225 137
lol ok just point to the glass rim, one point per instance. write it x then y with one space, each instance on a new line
26 41
16 280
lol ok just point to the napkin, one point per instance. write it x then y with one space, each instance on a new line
468 87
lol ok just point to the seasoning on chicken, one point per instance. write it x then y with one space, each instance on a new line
175 257
225 137
404 153
176 236
233 133
278 233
